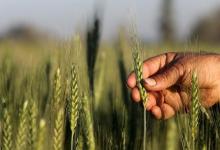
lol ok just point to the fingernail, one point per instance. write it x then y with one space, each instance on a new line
150 82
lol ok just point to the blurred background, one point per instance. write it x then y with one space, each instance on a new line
41 39
157 20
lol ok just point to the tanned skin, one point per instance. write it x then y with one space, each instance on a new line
167 78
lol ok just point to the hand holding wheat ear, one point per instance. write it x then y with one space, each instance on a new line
167 77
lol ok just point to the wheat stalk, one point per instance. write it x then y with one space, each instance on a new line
7 131
182 125
204 111
59 131
172 136
88 123
138 69
138 65
21 138
74 102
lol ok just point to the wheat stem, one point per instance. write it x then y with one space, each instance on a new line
143 93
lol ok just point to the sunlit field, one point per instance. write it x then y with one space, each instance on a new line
73 95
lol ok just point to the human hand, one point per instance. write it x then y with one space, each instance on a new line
167 78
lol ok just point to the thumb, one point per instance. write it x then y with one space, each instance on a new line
163 80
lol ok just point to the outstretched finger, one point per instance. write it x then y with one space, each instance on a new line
151 66
165 79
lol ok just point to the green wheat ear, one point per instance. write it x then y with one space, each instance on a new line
21 138
41 135
79 145
195 108
139 76
57 89
58 137
138 65
33 115
138 69
7 130
74 102
88 123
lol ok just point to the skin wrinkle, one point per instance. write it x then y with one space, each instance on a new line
160 99
183 96
169 61
176 70
207 97
182 71
178 102
165 75
166 59
162 60
147 71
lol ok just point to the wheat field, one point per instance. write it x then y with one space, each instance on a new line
73 95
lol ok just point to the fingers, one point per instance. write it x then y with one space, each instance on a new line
135 95
173 99
131 81
151 66
165 111
156 111
169 102
165 79
154 64
151 101
184 96
161 104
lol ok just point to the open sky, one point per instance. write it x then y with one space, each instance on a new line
64 17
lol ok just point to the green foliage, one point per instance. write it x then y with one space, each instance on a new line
106 120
